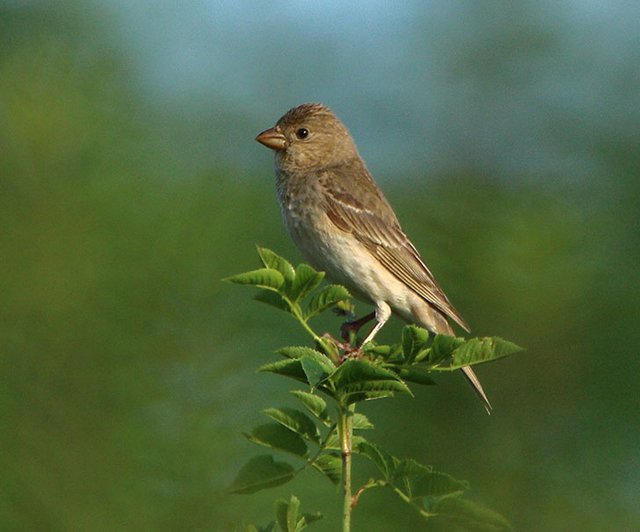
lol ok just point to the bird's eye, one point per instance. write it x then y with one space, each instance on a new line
302 133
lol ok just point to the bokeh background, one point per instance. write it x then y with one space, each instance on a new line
505 135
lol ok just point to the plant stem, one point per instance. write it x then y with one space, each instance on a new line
305 325
297 314
345 427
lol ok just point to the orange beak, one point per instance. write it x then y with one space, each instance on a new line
273 139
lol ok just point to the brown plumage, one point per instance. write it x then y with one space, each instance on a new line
343 224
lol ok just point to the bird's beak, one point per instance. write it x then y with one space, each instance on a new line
273 139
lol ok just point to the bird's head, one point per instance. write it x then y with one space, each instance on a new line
309 137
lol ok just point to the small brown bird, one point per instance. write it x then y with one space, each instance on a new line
344 226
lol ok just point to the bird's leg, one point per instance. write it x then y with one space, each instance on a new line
349 328
383 313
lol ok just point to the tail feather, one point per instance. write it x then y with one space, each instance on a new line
477 387
437 323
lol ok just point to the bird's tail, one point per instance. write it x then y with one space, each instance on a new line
439 323
477 387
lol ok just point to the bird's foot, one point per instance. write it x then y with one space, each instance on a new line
352 353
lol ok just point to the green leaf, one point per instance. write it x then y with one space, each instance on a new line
361 422
275 262
261 472
414 340
345 308
273 299
310 518
279 437
416 480
287 514
389 353
262 278
296 421
329 348
315 366
442 348
479 350
353 371
282 508
287 368
369 391
306 279
385 462
315 405
301 351
471 515
454 353
325 298
330 465
313 370
377 350
359 380
417 374
289 517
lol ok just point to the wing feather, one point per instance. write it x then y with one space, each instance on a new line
380 232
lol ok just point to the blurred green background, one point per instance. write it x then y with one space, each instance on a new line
506 137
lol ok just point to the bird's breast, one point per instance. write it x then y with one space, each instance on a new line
332 250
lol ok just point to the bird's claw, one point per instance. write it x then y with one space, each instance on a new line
352 353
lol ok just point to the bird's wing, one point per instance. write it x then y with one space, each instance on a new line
379 231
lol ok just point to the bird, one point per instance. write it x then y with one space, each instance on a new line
343 225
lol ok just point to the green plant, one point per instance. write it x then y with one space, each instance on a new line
338 375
